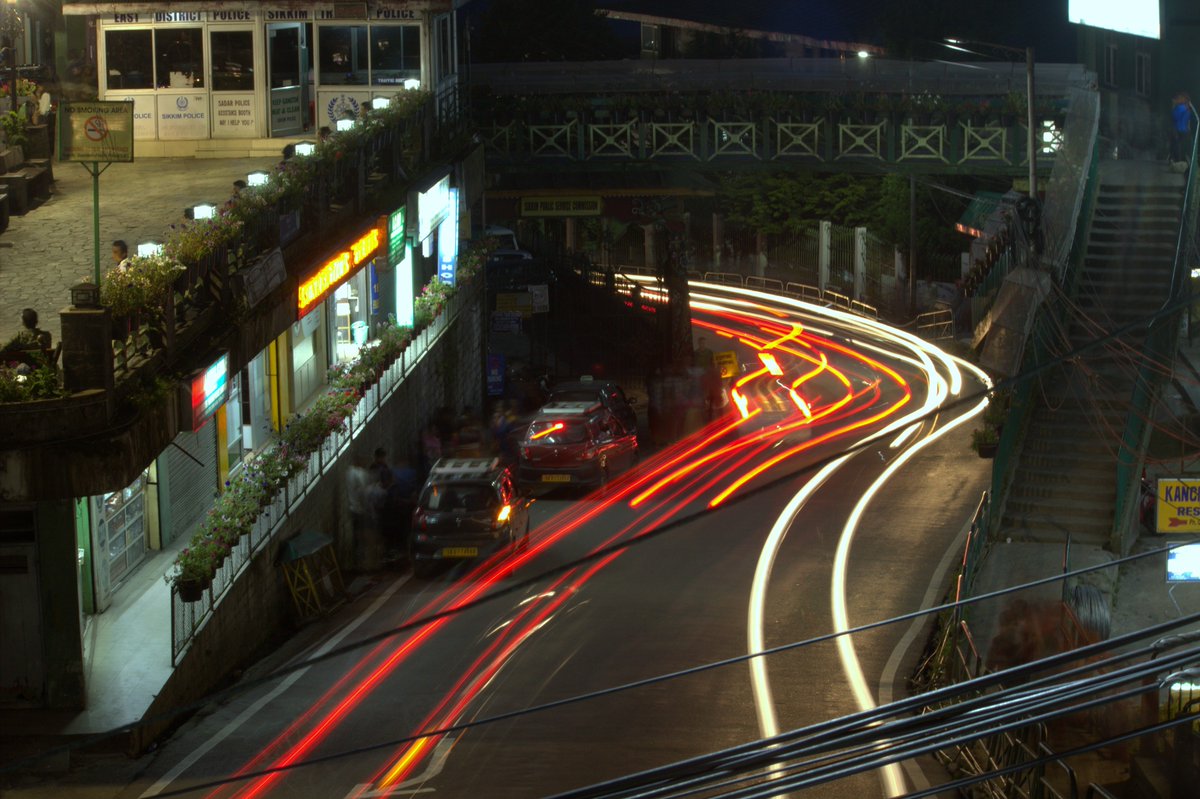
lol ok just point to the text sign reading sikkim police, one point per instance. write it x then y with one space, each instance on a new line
100 131
1178 506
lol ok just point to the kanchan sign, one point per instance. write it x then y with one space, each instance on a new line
335 271
1178 506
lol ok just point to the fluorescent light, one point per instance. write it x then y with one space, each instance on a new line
148 249
305 148
381 102
204 211
345 124
257 178
412 83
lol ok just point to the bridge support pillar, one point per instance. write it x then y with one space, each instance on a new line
571 241
860 262
718 241
825 231
650 250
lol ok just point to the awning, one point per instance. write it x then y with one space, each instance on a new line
974 219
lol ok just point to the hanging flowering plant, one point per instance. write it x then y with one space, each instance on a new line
141 285
472 260
373 360
432 299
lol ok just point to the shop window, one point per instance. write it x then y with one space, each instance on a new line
232 54
130 59
445 48
395 54
350 309
121 528
179 59
1110 65
1141 78
343 54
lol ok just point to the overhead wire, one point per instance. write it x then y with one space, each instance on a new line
648 535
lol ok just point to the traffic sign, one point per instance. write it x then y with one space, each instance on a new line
97 131
727 362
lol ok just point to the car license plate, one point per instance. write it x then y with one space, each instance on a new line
556 478
459 552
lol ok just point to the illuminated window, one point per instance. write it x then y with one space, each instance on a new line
232 60
395 54
343 51
130 59
179 58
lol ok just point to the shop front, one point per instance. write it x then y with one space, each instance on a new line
255 70
120 531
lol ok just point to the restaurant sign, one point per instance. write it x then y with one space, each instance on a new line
1178 506
334 272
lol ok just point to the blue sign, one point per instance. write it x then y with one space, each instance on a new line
448 241
495 375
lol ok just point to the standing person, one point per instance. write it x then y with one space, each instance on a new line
380 464
469 436
120 253
431 448
1181 127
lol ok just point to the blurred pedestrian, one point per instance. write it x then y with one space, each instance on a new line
1181 127
367 544
468 441
120 253
430 448
380 464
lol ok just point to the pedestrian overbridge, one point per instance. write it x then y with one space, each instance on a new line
852 115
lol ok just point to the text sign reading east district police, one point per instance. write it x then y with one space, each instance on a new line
97 130
1178 506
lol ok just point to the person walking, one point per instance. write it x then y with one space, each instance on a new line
120 253
1181 127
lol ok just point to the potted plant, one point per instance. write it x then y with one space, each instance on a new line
194 569
985 440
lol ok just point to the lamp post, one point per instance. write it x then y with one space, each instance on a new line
12 26
1031 133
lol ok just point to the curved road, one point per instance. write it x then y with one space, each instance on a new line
752 546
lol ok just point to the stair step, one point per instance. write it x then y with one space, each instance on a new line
1026 529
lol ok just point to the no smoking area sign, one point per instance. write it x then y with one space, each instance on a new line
99 131
95 128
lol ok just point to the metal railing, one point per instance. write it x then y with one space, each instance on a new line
188 618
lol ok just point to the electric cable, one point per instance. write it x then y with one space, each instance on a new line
598 554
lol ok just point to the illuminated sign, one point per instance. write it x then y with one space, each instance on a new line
448 242
727 362
400 257
1178 506
562 206
1183 564
337 269
432 207
210 388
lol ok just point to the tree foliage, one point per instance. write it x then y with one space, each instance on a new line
543 30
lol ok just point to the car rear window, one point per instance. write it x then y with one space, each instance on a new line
557 432
459 496
576 395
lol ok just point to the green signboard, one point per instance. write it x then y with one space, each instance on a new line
96 131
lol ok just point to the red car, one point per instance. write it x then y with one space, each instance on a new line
575 444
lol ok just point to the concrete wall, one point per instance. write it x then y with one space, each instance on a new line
258 605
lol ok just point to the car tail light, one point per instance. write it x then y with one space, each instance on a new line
502 517
422 521
421 538
525 453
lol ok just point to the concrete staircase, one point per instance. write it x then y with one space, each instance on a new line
1065 474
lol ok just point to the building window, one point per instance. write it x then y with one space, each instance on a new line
130 59
395 54
1141 78
1110 65
232 60
343 54
350 308
445 47
179 60
650 37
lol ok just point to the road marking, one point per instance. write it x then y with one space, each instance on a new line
284 684
441 753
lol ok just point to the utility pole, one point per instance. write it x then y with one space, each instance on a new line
912 243
1030 121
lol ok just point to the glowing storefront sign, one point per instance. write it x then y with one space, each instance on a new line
448 242
400 257
210 389
335 271
432 207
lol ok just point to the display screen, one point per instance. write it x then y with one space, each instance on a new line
1183 564
1140 19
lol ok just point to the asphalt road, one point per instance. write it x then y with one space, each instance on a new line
740 562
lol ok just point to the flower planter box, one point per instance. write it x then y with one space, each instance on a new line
988 450
192 590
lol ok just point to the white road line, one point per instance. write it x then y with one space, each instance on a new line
287 682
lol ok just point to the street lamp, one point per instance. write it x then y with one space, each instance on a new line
1031 132
257 178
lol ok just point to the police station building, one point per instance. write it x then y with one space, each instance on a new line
212 76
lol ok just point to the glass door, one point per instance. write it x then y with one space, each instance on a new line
287 65
231 51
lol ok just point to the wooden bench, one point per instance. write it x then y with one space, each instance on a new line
22 182
32 357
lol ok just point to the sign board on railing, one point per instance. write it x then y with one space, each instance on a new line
1178 506
259 280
